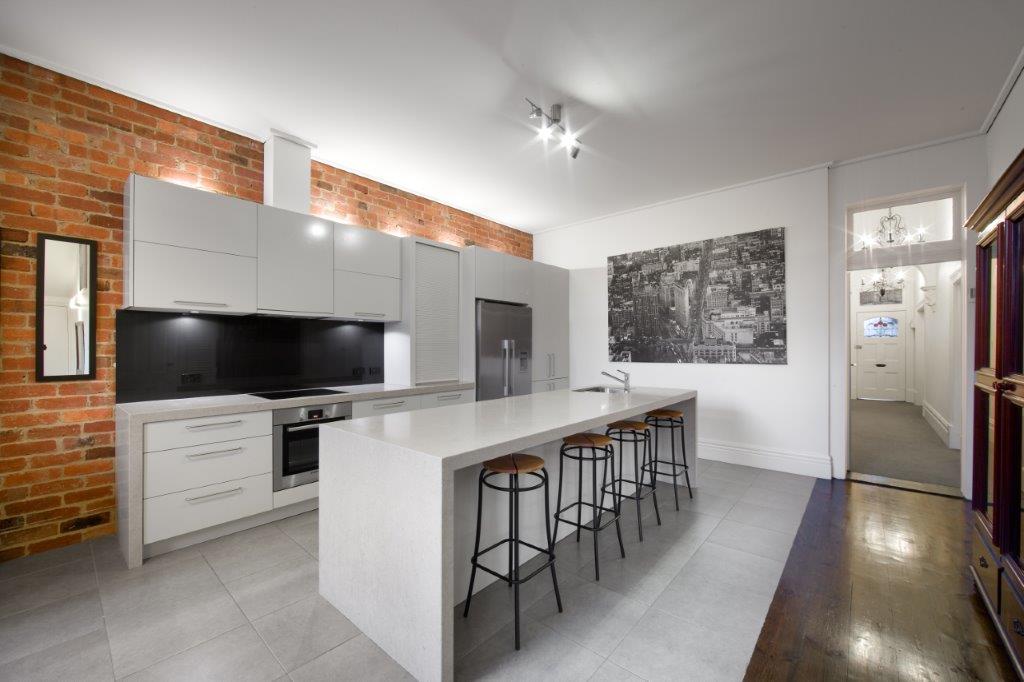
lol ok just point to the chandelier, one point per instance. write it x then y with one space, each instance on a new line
882 281
892 232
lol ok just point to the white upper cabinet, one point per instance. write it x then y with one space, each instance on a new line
296 263
358 249
172 278
164 213
367 297
501 277
550 321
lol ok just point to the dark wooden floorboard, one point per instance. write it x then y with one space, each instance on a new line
877 587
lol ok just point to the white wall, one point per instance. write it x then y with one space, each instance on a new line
962 163
1005 138
769 416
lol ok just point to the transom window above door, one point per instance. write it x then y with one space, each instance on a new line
905 230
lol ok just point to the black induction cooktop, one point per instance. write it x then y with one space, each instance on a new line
295 393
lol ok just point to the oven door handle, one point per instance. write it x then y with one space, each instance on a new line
314 425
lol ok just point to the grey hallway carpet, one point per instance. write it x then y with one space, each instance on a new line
893 439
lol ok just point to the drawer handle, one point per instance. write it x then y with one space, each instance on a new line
206 426
453 396
212 495
982 562
207 304
370 314
383 405
1018 628
197 455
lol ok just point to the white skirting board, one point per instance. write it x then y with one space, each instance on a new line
804 464
940 426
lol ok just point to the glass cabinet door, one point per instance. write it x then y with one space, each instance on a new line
986 365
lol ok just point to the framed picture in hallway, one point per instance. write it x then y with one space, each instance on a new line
720 300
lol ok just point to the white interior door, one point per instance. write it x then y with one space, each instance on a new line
881 356
56 348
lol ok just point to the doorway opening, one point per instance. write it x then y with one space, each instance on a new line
905 421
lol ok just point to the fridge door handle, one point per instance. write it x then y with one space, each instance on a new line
511 368
504 367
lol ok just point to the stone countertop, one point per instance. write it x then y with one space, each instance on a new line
461 435
210 406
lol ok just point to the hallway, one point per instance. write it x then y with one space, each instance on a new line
892 439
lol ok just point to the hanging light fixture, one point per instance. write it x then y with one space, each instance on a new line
883 280
551 125
891 231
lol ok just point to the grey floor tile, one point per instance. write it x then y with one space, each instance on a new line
37 562
592 616
274 588
719 606
732 472
609 672
304 529
544 655
739 569
722 487
84 659
784 482
643 574
662 647
239 654
706 502
157 584
357 659
782 520
32 590
110 565
250 551
776 499
143 636
300 632
761 541
30 632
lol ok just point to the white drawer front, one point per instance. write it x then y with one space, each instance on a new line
369 408
190 510
448 398
183 433
170 471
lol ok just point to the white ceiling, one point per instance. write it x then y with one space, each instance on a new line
671 98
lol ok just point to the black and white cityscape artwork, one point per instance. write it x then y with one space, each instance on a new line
719 300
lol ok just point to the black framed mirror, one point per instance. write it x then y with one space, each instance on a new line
65 308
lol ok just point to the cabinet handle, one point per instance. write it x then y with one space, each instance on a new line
305 427
212 495
453 396
369 314
205 304
206 426
1018 628
982 562
395 404
197 455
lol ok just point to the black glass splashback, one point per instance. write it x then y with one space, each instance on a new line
167 355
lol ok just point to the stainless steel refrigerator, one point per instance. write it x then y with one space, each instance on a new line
503 349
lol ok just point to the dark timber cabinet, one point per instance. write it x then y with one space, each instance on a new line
998 392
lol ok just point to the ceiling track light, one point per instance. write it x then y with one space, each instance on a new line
551 123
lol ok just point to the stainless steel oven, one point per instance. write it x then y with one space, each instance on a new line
297 442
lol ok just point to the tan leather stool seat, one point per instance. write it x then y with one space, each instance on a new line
628 425
595 440
514 464
665 414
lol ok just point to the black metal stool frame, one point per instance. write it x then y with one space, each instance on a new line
513 578
654 465
596 506
641 490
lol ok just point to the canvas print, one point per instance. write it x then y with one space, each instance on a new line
874 297
719 300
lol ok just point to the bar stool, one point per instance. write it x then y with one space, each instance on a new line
637 433
513 466
592 448
673 421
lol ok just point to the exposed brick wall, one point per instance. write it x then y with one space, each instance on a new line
66 148
346 197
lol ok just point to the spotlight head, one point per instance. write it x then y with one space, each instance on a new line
574 152
545 131
535 111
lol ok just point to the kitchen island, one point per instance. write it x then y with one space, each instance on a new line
398 505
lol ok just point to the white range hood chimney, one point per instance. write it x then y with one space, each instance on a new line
286 171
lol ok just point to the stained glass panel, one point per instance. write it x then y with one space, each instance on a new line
881 326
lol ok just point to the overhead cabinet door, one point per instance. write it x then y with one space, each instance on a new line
173 278
165 213
357 249
296 263
367 297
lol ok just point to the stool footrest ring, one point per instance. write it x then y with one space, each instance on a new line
678 468
587 525
640 491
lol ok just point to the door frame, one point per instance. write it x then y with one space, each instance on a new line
959 249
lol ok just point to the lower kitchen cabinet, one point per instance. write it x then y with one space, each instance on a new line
370 408
447 398
183 512
169 471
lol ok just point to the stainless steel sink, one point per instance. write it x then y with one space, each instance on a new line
599 389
